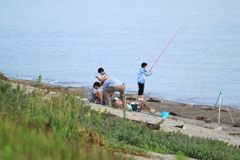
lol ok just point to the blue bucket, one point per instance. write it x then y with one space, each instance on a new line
165 114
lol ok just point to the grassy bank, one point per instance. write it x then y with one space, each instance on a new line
32 127
69 124
18 142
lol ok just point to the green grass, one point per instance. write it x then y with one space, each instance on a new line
18 142
32 127
69 121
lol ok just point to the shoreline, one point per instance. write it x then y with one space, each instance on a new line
179 114
149 94
179 109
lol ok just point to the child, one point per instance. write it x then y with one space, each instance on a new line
101 71
142 75
94 94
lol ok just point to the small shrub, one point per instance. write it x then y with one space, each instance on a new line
18 142
39 80
4 86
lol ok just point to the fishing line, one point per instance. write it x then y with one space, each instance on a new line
167 45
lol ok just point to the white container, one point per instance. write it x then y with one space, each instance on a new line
217 128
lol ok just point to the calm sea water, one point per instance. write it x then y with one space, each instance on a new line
67 41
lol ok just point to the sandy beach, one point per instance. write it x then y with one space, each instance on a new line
176 109
198 120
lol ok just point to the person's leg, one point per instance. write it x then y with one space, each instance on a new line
106 94
101 96
98 96
121 89
140 91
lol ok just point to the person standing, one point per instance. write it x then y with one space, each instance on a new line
142 75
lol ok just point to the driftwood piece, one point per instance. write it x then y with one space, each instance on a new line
236 125
144 106
202 117
208 121
153 100
234 134
130 98
173 114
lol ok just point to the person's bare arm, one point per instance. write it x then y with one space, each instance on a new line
98 78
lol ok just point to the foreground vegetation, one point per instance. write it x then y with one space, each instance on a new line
32 127
63 127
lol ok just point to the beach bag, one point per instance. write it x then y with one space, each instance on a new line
129 107
117 103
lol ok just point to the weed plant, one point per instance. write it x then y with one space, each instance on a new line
18 142
165 142
71 119
32 127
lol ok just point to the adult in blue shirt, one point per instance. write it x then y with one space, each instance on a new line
111 85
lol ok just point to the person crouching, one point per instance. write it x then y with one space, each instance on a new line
95 94
111 85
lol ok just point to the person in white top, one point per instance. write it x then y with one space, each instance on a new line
111 85
102 72
95 94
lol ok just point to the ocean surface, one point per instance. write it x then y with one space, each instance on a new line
67 41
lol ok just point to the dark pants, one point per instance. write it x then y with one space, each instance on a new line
141 88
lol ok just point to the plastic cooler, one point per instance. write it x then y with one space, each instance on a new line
165 114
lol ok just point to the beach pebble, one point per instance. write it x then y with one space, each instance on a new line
208 121
174 119
180 126
152 111
217 128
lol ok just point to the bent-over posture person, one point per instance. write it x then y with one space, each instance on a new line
111 85
95 94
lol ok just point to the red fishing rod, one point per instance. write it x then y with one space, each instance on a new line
167 45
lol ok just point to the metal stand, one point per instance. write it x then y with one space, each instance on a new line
218 103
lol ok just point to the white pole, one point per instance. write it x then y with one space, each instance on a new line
228 109
219 106
219 111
